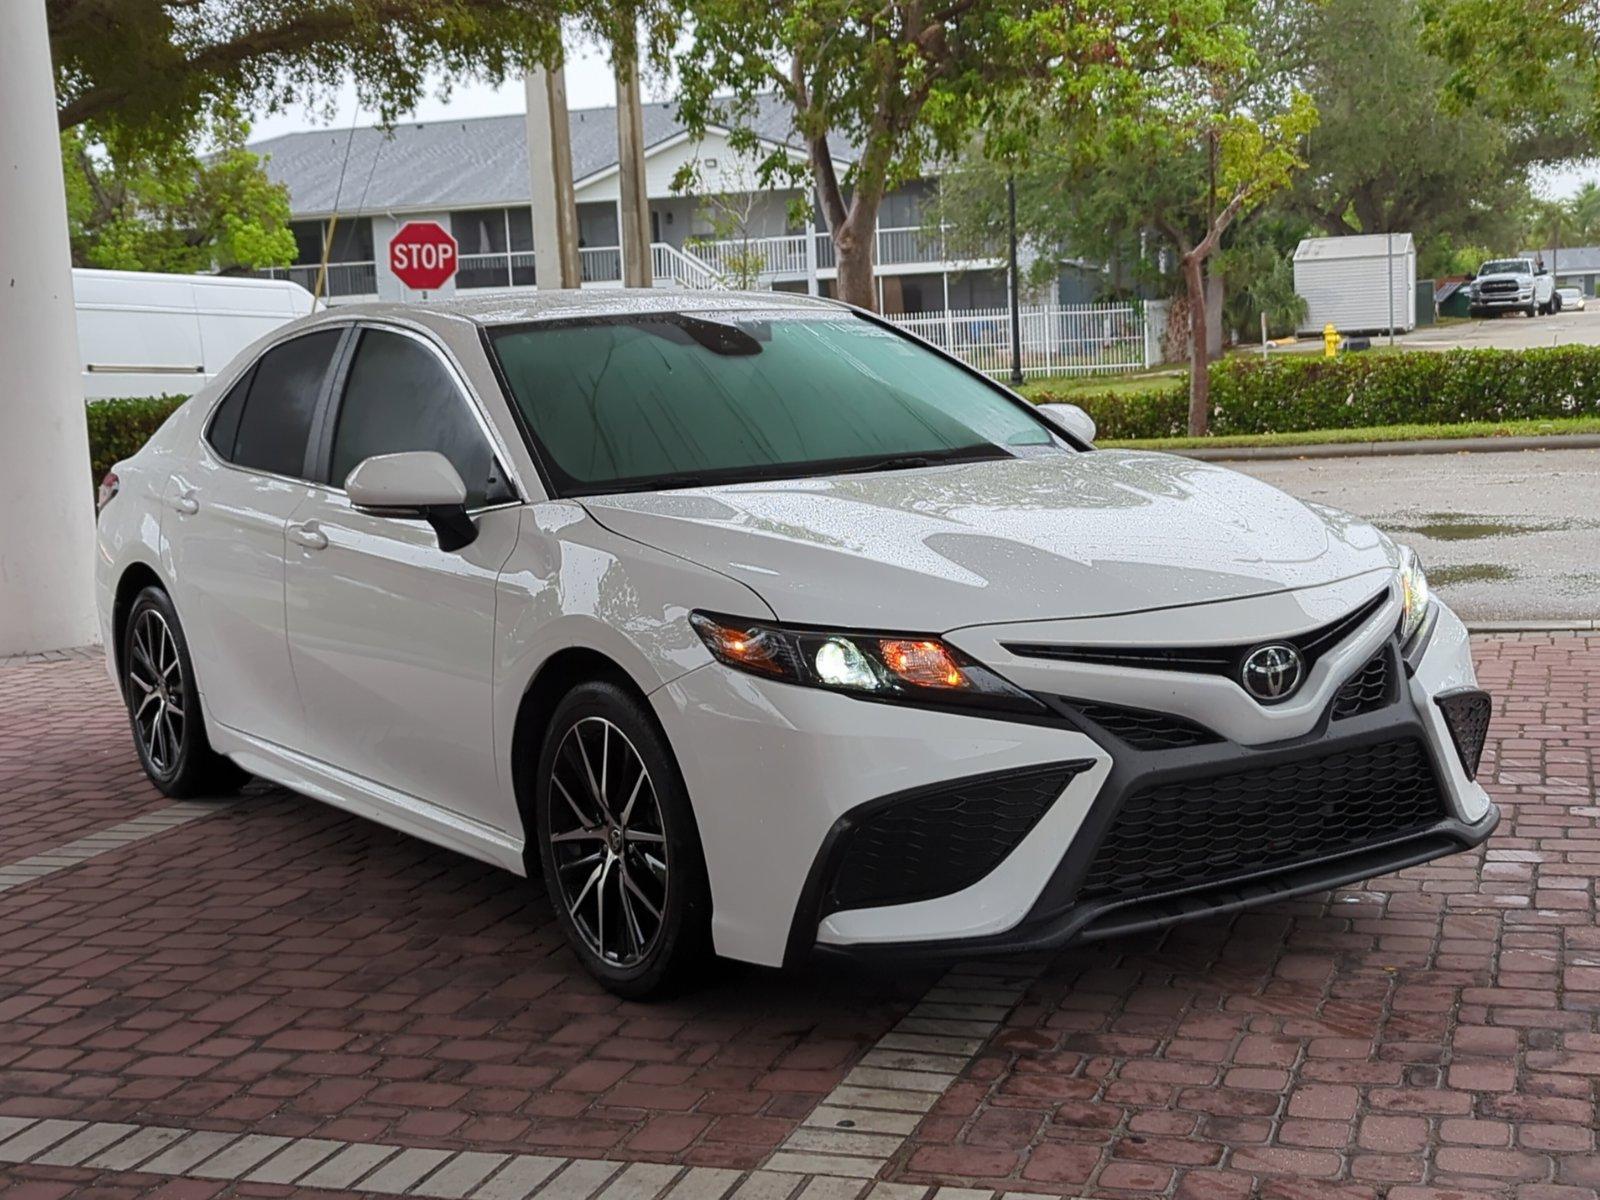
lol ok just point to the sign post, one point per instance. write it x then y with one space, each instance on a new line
423 255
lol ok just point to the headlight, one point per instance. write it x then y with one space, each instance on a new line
876 666
1414 596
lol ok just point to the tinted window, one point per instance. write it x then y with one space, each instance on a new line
276 422
225 422
657 400
400 396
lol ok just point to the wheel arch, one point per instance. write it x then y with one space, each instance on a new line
556 676
135 577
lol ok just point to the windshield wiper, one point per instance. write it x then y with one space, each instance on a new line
906 462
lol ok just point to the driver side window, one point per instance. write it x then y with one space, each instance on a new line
400 396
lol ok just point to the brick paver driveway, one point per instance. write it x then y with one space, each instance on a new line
266 997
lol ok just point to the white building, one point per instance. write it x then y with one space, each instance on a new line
471 176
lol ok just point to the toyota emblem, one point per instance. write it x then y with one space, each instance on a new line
1272 672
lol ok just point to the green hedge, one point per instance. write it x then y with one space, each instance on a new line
1300 392
117 428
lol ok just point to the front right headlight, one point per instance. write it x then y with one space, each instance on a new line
1414 595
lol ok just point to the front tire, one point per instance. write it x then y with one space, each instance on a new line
618 844
163 702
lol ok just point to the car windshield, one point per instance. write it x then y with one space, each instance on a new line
1506 266
664 400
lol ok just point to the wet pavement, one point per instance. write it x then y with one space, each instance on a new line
262 996
1504 536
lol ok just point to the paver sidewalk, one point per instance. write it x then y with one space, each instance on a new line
274 970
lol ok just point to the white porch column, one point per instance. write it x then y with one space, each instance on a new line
555 209
46 503
811 259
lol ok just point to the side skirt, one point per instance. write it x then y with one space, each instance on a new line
354 794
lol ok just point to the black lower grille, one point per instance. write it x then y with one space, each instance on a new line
1365 691
1145 729
939 840
1194 833
1466 713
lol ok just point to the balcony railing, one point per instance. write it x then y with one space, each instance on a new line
771 257
344 279
754 258
504 269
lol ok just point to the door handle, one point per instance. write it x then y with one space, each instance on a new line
186 504
309 536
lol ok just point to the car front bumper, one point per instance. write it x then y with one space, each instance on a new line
810 804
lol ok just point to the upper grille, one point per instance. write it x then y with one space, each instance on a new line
1144 729
1365 691
1209 660
941 840
1194 833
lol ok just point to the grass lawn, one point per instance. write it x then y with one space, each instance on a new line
1380 433
1154 380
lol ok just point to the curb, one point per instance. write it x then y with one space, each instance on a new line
1581 625
1482 445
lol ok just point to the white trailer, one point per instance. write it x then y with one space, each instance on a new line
144 334
1358 284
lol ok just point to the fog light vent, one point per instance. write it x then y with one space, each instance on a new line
1466 713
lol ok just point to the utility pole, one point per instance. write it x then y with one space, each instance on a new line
556 261
47 543
1388 247
1011 270
634 200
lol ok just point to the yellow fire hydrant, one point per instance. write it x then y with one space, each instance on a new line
1330 340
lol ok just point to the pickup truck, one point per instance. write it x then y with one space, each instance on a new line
1512 285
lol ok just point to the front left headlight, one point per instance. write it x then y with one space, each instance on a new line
1416 601
909 668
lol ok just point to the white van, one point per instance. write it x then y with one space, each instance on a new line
144 334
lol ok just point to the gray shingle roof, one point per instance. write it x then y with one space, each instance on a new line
460 163
1576 259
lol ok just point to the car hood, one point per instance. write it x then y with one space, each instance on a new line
1053 536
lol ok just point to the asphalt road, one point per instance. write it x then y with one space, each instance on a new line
1504 536
1514 332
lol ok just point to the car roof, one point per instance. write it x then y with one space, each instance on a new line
515 308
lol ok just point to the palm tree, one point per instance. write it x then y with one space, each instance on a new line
1583 216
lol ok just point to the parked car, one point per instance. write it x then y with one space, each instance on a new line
756 625
1512 285
141 333
1569 297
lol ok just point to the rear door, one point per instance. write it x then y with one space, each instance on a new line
391 638
224 521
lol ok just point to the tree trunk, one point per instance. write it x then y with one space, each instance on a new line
1199 377
853 245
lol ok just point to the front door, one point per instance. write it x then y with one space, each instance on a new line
391 639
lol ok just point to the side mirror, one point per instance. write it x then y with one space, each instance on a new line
415 483
1070 419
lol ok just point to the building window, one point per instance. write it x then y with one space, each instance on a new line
352 241
496 247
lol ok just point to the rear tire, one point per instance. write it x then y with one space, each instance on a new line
158 687
619 845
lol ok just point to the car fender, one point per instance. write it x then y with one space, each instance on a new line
571 583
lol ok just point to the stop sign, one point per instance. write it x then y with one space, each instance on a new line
422 255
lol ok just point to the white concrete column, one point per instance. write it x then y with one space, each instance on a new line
556 261
46 498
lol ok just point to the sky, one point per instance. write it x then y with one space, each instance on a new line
589 85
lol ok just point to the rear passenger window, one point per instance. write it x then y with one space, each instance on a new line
400 396
275 423
224 429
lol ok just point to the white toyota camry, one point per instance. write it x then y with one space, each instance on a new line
758 627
